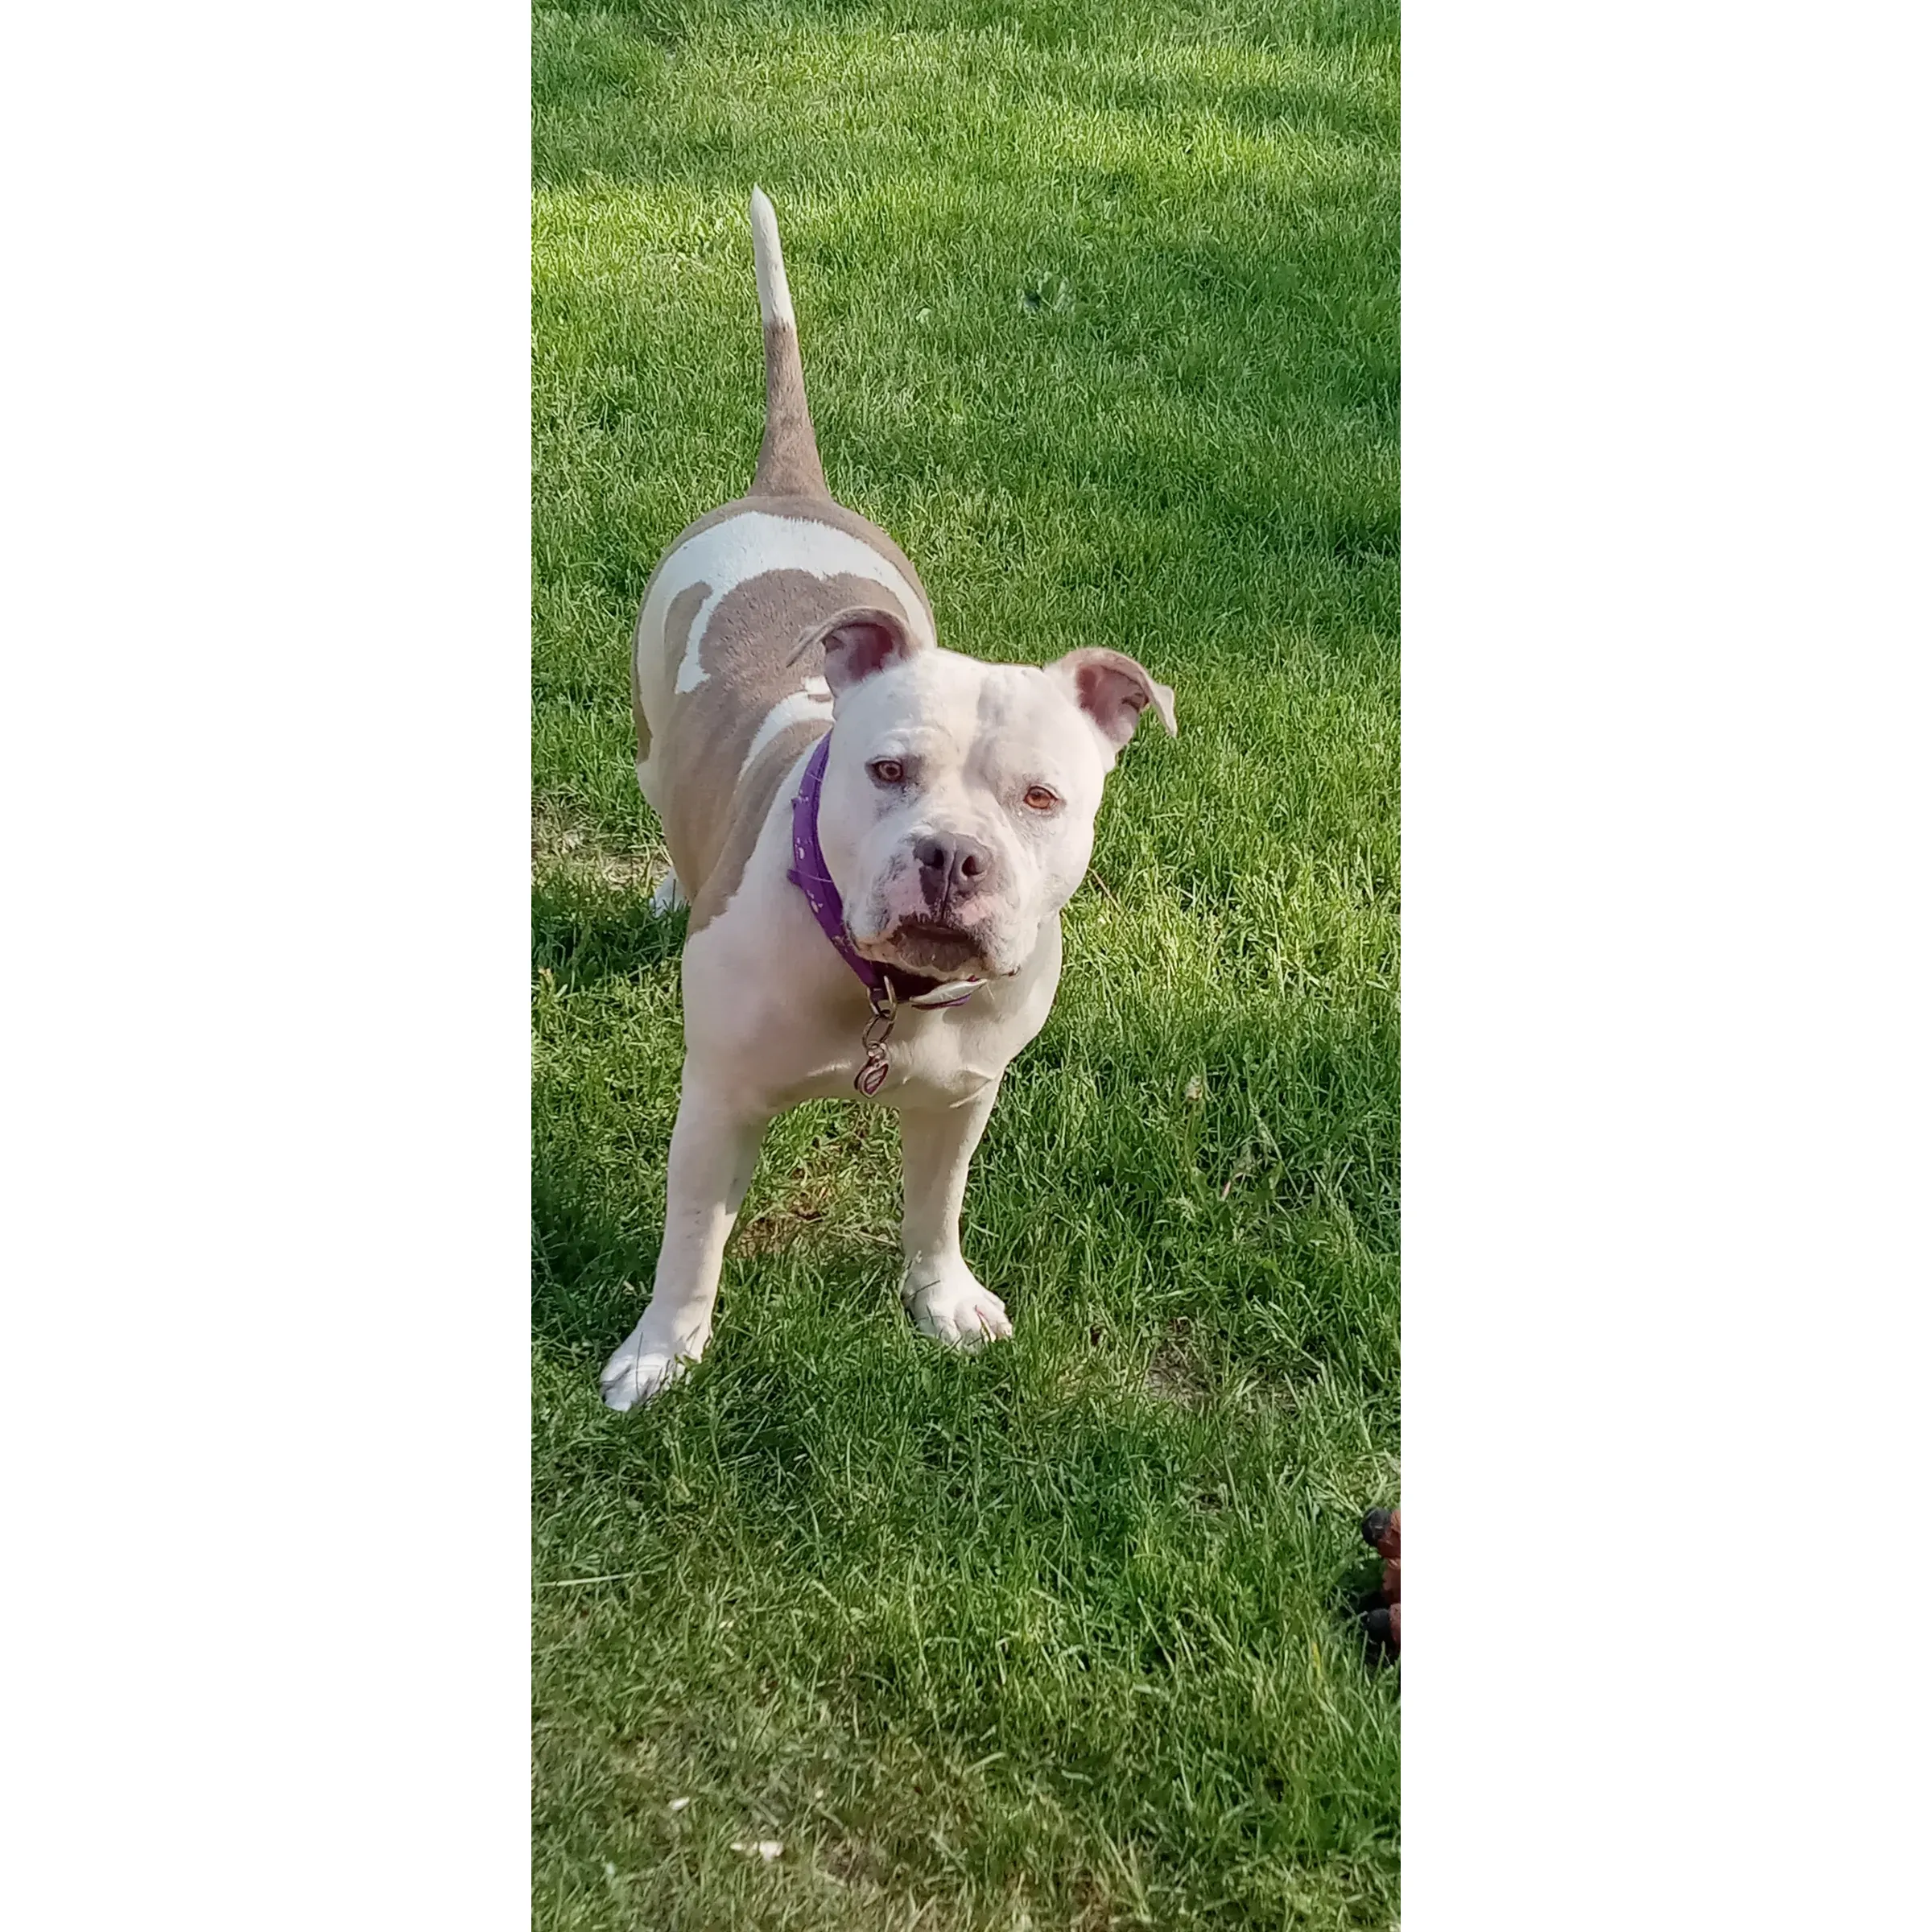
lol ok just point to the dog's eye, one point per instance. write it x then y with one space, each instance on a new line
887 771
1039 799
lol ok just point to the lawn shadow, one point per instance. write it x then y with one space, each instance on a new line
584 931
588 1263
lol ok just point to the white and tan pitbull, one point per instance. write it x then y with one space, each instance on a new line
954 803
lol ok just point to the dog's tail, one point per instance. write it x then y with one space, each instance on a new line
788 458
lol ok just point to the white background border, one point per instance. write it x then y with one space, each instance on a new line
1665 347
266 720
267 726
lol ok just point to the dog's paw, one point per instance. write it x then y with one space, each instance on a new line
668 897
647 1365
957 1311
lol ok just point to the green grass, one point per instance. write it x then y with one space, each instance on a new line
1098 305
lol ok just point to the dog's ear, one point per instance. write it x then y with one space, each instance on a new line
1114 691
857 644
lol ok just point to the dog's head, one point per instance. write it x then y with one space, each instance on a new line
958 807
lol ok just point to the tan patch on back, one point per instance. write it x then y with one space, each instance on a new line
697 741
807 510
750 663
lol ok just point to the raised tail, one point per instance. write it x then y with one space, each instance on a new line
788 458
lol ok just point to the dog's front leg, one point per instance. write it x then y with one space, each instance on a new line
940 1292
713 1149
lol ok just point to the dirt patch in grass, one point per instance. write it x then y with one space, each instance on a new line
841 1185
561 843
1173 1375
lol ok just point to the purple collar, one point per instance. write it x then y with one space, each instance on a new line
808 874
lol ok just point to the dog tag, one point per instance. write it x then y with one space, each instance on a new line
871 1076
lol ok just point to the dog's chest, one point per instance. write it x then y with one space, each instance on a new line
931 1060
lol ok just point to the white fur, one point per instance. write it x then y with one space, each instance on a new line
775 292
744 547
982 735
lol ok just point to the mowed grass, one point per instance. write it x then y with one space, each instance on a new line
1098 305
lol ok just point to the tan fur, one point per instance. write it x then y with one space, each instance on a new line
696 740
749 807
748 652
683 613
788 458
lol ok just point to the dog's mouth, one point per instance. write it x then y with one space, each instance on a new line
934 948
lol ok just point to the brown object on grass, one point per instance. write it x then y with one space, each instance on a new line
1383 1625
1382 1531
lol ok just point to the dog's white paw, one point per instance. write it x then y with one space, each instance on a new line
668 897
957 1311
647 1365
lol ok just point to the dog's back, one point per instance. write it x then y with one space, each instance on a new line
725 701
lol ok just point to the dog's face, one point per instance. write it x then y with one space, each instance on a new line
958 807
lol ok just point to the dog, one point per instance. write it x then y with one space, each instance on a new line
875 837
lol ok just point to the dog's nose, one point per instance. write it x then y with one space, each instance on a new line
951 867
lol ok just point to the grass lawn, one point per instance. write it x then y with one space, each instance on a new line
1099 310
